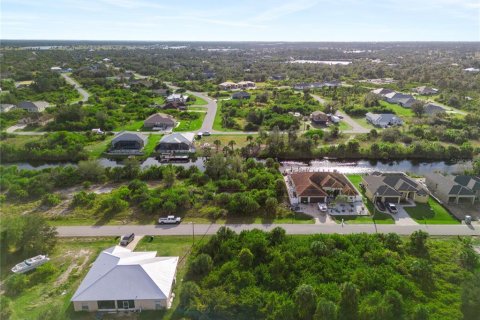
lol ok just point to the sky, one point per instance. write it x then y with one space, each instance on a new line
241 20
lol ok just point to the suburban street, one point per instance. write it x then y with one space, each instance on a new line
85 95
201 229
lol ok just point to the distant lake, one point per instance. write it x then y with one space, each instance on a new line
361 166
329 62
366 166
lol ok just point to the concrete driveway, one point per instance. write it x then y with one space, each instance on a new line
401 217
85 95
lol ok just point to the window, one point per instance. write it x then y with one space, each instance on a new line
158 305
106 304
85 307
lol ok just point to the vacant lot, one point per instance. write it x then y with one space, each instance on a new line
431 213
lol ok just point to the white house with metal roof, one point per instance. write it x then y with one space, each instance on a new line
383 120
177 143
123 280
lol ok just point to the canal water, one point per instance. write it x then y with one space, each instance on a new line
361 166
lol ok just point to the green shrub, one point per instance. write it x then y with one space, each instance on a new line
50 200
15 284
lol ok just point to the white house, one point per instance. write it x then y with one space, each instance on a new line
383 120
123 280
177 98
176 143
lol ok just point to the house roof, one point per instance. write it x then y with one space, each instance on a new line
425 90
471 182
160 118
382 91
319 115
313 184
391 184
431 108
449 186
129 136
177 96
39 105
186 137
385 118
241 94
120 274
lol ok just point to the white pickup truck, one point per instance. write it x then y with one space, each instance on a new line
170 220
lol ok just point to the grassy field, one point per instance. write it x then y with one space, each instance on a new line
191 125
71 258
240 140
377 217
431 213
364 123
217 123
399 110
344 126
19 141
96 149
151 144
131 126
199 101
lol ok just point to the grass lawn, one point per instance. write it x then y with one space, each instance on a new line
151 144
19 141
378 217
431 213
344 126
191 125
364 123
130 126
298 218
199 101
240 140
196 108
56 291
399 110
217 123
96 149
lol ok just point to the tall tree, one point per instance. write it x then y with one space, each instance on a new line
306 301
348 302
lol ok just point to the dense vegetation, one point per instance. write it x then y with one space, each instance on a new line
258 275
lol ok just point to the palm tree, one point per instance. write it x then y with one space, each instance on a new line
217 144
249 138
231 143
226 150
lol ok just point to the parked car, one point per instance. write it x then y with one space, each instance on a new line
322 207
380 205
468 219
391 207
206 133
126 239
170 220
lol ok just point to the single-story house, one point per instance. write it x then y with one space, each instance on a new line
314 187
471 69
454 189
159 121
241 95
302 86
176 143
123 280
423 90
35 106
177 97
4 107
228 85
405 100
277 77
128 142
56 69
246 85
319 117
431 109
393 187
381 91
383 120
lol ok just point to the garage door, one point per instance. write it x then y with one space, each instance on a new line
391 199
317 199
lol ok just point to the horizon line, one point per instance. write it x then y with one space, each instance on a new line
248 41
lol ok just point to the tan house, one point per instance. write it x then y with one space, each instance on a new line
123 280
35 106
228 85
159 121
314 187
393 187
454 189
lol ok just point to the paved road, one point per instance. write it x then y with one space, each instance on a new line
85 95
356 127
186 229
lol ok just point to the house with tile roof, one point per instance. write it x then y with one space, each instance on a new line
314 187
393 187
454 189
123 280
